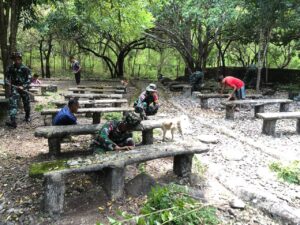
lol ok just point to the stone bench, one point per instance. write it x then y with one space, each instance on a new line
270 119
259 105
100 87
109 169
102 91
181 87
43 88
205 97
96 112
94 103
93 96
55 134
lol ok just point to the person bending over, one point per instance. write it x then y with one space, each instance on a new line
147 103
66 115
237 86
116 135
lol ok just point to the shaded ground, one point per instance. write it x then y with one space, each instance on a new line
86 203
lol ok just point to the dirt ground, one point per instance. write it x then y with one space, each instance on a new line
21 196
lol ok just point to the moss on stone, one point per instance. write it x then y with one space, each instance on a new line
36 170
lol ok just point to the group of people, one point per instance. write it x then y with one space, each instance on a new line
114 135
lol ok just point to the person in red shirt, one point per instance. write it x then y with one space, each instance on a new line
236 84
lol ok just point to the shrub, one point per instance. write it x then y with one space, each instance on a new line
170 205
112 116
289 173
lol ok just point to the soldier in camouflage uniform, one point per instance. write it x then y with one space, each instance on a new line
18 79
116 135
196 80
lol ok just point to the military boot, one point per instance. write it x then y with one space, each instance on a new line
27 117
12 123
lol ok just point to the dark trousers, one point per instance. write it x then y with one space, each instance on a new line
77 78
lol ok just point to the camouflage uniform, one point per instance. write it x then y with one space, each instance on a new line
18 76
196 80
143 104
109 136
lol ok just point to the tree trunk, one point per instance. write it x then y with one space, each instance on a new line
120 65
47 57
41 58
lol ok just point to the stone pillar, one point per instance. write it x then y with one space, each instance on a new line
114 182
259 109
96 118
284 107
182 165
54 193
54 146
229 112
43 90
269 127
298 126
90 105
204 103
147 137
117 104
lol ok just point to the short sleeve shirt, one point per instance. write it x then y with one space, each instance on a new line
233 82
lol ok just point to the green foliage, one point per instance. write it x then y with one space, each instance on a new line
137 137
112 116
170 205
289 173
41 107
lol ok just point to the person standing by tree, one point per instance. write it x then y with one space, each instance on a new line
18 80
76 68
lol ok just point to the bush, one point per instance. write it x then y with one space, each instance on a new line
41 107
171 205
289 173
113 116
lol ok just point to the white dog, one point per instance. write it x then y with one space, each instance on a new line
179 123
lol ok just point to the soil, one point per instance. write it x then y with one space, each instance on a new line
21 196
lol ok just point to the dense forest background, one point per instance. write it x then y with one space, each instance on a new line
137 38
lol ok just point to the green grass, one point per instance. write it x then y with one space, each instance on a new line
41 107
113 116
289 173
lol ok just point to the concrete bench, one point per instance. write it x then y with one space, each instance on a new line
109 170
94 103
90 90
95 111
93 96
270 119
119 87
45 88
180 87
205 97
259 105
55 134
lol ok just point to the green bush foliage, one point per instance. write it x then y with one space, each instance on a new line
170 205
112 116
289 173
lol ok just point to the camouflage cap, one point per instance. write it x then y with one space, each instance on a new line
132 119
15 55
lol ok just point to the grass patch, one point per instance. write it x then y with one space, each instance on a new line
36 170
137 137
113 116
41 107
170 204
289 173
